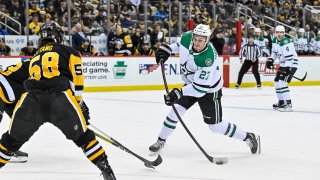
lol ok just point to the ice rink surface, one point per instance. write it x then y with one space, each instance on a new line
290 140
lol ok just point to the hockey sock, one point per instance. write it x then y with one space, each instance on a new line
278 87
5 156
285 90
228 129
94 151
171 121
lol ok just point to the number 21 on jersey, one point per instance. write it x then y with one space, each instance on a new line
45 65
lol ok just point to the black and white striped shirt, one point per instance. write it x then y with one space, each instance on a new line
250 52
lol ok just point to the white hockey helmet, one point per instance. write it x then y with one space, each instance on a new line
280 28
257 30
301 30
202 30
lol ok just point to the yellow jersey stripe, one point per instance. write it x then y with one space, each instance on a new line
23 96
76 106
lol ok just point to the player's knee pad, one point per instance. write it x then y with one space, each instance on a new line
181 110
85 138
10 143
219 128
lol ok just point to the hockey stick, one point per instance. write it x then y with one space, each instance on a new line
216 160
109 139
300 79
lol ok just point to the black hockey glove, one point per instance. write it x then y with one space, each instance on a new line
172 96
285 71
269 63
85 111
163 53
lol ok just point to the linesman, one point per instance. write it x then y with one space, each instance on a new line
251 52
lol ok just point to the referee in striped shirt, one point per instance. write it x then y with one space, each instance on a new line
251 52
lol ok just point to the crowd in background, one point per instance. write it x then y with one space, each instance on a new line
128 35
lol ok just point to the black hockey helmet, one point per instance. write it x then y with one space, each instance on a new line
50 33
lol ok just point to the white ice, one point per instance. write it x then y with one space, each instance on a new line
290 140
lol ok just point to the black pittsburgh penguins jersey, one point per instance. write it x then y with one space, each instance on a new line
11 81
56 60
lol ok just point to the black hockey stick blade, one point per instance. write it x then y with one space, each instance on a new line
216 160
302 79
147 163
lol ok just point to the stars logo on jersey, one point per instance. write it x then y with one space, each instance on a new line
208 62
185 70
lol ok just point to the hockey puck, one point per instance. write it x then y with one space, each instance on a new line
219 163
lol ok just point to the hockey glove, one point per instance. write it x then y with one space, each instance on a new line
285 71
85 111
269 63
172 96
163 53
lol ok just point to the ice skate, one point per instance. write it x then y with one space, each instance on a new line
105 168
253 142
156 147
285 108
277 105
237 86
19 157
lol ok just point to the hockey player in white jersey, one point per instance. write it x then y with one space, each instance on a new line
314 46
203 84
283 48
301 42
261 42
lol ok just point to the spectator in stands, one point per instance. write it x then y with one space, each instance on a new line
87 49
157 34
34 8
51 10
4 49
137 39
3 31
100 16
121 43
145 50
17 11
96 29
62 8
78 37
125 20
310 34
29 50
161 14
34 26
43 16
156 45
218 42
86 20
128 8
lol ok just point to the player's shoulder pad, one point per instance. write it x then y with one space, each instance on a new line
285 41
185 39
207 57
274 40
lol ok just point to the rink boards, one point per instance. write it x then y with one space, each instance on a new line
105 73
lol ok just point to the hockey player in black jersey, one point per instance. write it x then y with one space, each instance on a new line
54 95
11 89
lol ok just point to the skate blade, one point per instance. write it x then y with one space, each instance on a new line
259 145
18 159
154 153
285 110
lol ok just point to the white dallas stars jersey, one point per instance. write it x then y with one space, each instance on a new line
200 71
301 43
284 50
315 45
